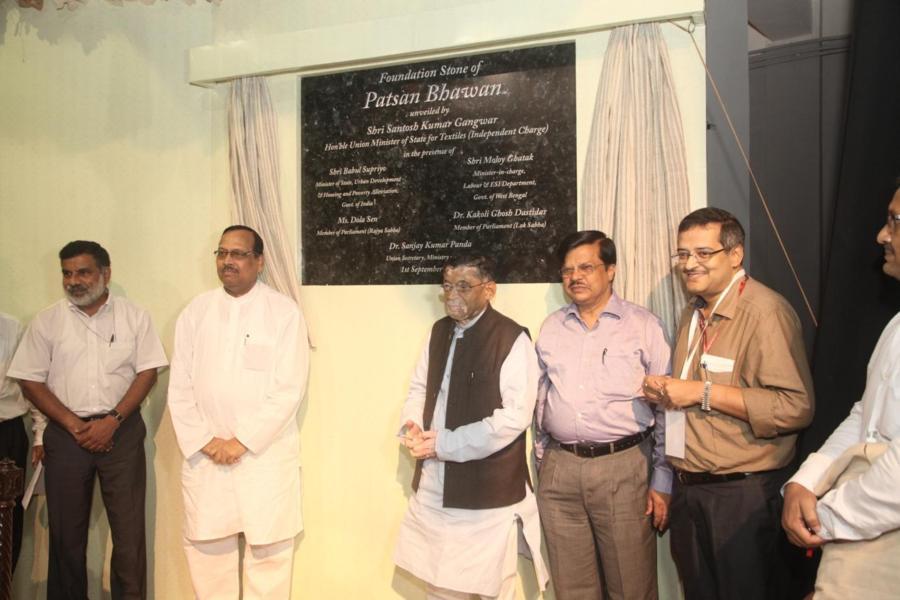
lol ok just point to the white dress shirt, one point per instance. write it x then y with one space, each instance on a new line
88 362
12 404
462 549
869 506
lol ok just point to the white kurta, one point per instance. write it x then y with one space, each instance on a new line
870 505
239 370
461 549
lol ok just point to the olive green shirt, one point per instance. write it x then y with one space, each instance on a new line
758 330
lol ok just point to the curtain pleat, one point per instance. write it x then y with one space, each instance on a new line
635 185
253 156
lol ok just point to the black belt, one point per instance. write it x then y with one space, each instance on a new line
594 450
96 417
693 478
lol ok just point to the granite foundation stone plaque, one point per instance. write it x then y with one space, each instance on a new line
404 166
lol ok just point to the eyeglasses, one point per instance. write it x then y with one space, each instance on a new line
701 254
462 287
583 269
235 254
892 221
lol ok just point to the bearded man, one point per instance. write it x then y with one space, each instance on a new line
87 362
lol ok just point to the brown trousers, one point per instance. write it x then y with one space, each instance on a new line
600 543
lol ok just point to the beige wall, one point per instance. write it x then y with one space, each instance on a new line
102 138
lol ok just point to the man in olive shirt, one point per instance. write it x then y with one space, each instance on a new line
741 390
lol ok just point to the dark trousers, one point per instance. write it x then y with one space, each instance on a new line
69 478
727 540
14 445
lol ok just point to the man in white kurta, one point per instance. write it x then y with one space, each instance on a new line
237 378
869 506
459 551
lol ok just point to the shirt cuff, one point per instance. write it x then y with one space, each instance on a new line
661 481
760 411
826 522
439 440
811 471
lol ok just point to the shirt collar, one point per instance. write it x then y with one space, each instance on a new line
243 297
104 307
615 307
472 322
728 307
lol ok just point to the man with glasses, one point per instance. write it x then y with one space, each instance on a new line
741 390
603 483
87 362
470 401
868 507
238 375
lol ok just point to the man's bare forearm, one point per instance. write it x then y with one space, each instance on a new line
46 401
137 391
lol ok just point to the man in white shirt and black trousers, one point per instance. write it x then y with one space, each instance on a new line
87 362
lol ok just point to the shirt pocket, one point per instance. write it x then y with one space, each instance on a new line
618 374
259 356
719 369
119 355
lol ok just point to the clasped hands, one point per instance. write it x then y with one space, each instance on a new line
671 393
421 444
224 452
95 435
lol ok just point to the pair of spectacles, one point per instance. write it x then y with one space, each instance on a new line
583 269
235 254
701 254
462 287
892 221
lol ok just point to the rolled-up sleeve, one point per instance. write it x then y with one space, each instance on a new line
780 398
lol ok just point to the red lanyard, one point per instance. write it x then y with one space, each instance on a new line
704 339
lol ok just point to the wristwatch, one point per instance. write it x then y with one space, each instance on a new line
116 415
704 399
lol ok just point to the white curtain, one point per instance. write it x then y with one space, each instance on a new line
635 181
253 155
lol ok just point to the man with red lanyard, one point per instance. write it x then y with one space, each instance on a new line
742 391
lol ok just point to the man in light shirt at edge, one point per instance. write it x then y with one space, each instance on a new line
13 439
869 506
741 381
604 483
87 362
238 375
470 401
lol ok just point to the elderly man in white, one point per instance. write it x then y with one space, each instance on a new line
238 376
470 401
868 507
